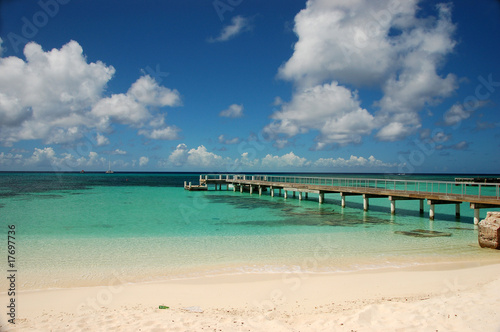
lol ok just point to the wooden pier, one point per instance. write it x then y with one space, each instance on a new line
479 195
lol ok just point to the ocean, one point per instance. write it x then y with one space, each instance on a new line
87 229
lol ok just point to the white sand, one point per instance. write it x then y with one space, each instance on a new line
457 298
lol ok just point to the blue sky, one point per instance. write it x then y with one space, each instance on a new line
243 86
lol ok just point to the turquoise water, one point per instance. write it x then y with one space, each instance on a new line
83 229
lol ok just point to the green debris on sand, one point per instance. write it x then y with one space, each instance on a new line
163 307
423 233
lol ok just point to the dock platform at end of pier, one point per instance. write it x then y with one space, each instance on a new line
195 187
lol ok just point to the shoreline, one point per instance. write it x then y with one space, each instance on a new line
33 281
358 300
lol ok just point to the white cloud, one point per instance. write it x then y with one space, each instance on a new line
245 161
223 140
198 158
331 109
384 44
179 156
234 111
202 158
118 151
134 108
463 145
56 96
10 159
289 160
120 108
353 161
238 25
47 158
393 131
101 140
44 157
280 143
143 161
147 91
456 114
167 133
30 108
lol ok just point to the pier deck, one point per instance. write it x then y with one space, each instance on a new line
478 195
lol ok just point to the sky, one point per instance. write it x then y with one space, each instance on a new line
338 86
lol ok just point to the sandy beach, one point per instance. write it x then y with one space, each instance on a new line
457 297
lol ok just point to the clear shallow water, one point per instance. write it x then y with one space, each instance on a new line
83 229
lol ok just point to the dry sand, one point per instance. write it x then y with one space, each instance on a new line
435 298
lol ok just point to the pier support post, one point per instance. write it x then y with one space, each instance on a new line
321 197
300 195
457 210
286 194
306 194
342 198
241 188
272 191
293 194
431 211
251 189
393 206
279 192
260 190
234 187
476 216
366 203
421 206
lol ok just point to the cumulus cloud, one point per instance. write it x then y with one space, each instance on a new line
245 162
134 108
57 96
47 158
179 156
331 109
234 111
143 161
101 140
10 159
385 45
118 151
48 93
289 160
239 24
197 158
200 158
224 140
456 114
353 161
167 133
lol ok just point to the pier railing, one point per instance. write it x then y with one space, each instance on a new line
462 189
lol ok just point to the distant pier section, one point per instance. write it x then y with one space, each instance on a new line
477 180
480 193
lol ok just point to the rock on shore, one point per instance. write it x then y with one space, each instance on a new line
489 231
